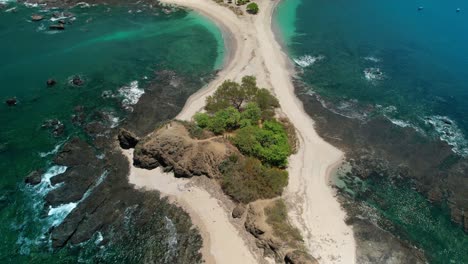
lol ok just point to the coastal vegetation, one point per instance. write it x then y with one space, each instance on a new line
277 217
245 114
252 8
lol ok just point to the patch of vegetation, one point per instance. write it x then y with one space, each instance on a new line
247 179
252 8
269 143
196 131
237 95
277 218
242 2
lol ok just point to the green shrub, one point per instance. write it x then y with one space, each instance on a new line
252 8
270 143
242 2
246 179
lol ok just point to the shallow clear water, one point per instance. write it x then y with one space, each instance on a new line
410 64
109 48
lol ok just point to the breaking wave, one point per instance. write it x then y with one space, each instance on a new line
448 131
131 94
307 60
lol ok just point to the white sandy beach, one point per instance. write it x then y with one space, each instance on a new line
253 50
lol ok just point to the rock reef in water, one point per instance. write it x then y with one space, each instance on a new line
172 146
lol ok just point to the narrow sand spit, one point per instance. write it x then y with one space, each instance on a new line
253 50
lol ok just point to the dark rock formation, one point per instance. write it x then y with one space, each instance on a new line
171 145
11 101
117 210
377 145
127 139
51 82
57 27
79 116
77 81
37 17
34 177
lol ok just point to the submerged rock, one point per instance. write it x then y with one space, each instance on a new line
57 27
77 79
36 17
127 139
11 101
57 128
51 82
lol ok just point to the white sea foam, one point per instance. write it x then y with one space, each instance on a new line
53 151
53 19
448 131
373 74
10 9
99 238
131 94
57 214
52 172
373 59
307 60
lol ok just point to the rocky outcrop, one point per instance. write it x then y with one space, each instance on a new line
127 139
57 27
56 127
283 249
34 177
172 146
37 17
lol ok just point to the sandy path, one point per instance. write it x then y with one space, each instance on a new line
253 50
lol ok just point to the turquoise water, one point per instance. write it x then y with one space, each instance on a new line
407 64
109 48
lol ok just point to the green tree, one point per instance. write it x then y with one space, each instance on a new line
203 120
252 8
252 112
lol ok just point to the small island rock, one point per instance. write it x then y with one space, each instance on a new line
51 82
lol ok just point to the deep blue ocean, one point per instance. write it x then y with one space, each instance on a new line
412 64
390 58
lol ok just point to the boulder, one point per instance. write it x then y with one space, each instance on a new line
238 211
36 17
51 82
34 177
127 139
299 257
76 79
11 101
57 27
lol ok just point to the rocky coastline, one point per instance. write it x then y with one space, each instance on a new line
96 180
376 148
